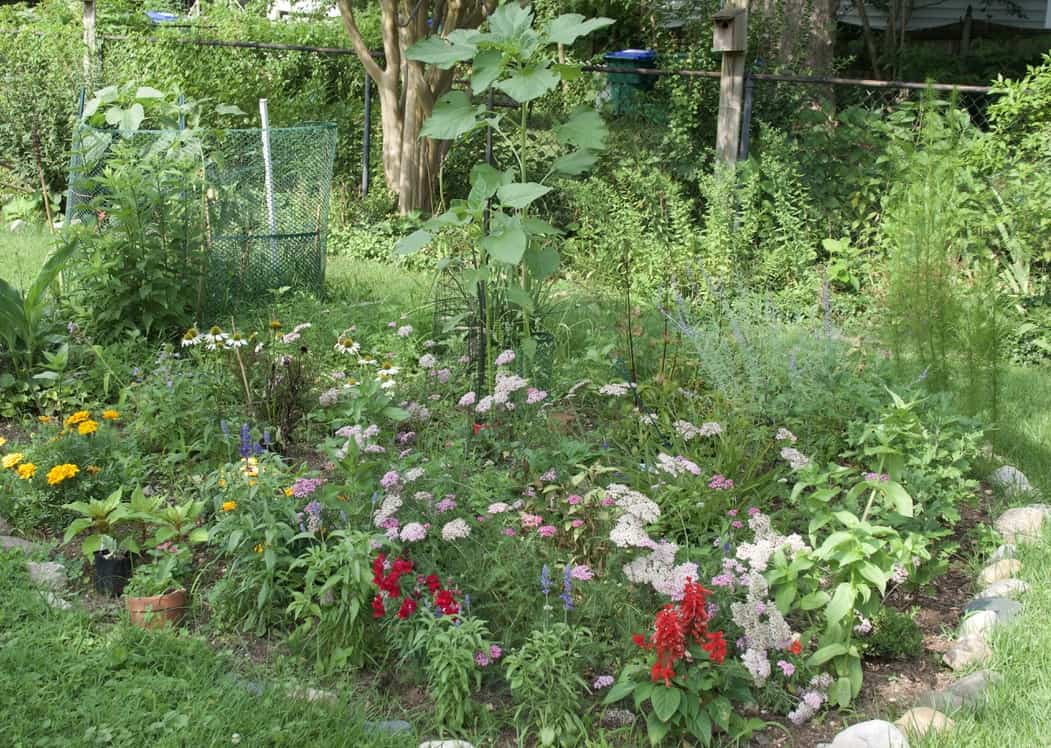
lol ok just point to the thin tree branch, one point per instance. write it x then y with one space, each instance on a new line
346 12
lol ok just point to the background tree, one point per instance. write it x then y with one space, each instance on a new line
408 89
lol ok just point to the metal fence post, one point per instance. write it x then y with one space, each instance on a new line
366 139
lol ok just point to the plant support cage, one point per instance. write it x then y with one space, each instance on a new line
263 204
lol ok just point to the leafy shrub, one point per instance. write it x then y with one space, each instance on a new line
895 635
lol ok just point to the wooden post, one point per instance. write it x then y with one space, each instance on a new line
89 41
730 38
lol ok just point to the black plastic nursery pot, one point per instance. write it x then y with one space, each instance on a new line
111 573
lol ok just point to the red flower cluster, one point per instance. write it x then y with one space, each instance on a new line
389 584
677 623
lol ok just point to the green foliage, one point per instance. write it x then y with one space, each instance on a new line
545 684
895 635
448 644
331 608
103 517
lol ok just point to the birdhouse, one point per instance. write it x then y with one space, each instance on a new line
731 30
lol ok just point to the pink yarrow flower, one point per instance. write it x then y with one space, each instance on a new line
546 531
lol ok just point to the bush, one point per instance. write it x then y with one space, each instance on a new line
895 635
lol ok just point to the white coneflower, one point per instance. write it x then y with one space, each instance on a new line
386 381
191 337
214 338
366 361
389 368
346 344
236 340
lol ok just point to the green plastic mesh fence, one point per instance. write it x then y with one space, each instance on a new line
265 225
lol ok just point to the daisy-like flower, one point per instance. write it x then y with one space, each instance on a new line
87 427
229 506
389 368
191 337
26 470
366 361
110 415
60 473
386 380
215 338
11 460
236 340
80 415
346 344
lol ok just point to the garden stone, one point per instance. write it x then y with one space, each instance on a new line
1004 588
48 574
966 652
943 701
1008 550
389 727
1010 479
1004 609
614 718
446 744
978 624
7 543
56 602
1022 524
922 719
875 733
971 690
1000 570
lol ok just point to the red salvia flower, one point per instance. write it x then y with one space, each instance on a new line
669 639
715 647
693 610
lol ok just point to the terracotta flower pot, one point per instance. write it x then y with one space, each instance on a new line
154 612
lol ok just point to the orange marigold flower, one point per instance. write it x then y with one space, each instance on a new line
11 460
87 427
229 506
60 473
26 470
78 417
44 419
111 415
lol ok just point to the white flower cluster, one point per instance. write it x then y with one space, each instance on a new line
688 431
616 389
796 459
763 625
766 543
388 508
659 570
455 530
362 437
676 466
506 385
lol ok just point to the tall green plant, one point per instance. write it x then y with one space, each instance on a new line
514 253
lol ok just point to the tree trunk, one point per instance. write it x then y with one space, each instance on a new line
408 89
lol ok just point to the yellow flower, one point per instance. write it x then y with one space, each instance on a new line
11 460
275 325
250 467
44 419
288 492
222 483
3 441
87 427
229 506
79 416
93 469
258 548
110 415
59 473
26 470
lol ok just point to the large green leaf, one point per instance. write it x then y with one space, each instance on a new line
486 180
542 262
442 53
413 243
521 194
665 702
826 653
569 27
655 729
841 603
585 128
576 163
486 69
507 243
530 83
899 497
875 575
453 115
539 227
510 21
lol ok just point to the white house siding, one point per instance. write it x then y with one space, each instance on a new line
929 14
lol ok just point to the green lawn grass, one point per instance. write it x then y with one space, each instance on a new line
69 678
22 254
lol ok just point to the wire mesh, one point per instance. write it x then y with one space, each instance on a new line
260 234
